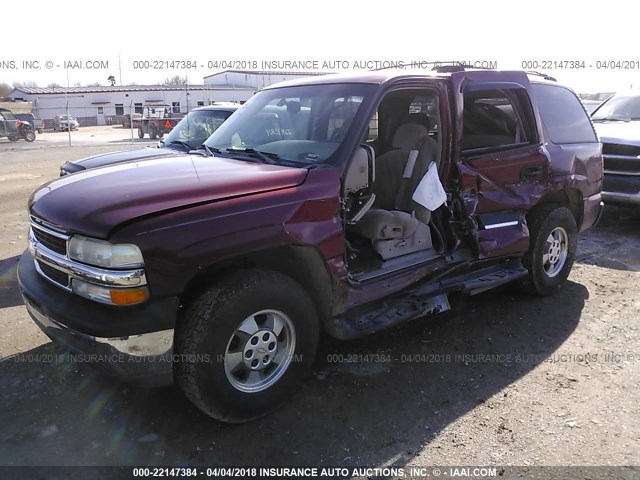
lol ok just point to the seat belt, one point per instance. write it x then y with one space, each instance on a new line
406 179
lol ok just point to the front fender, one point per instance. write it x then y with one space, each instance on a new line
179 245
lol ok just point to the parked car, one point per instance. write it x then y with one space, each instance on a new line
37 124
13 128
220 267
65 123
198 125
126 120
189 133
617 122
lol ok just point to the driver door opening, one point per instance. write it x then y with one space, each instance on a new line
396 210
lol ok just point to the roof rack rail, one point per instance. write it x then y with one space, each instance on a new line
540 74
453 66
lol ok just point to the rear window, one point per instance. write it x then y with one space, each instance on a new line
563 115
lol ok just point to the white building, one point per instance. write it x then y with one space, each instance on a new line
107 105
255 79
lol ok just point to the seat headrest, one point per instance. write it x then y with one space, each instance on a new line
413 130
409 136
419 118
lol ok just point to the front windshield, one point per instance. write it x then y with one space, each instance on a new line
619 107
196 127
303 124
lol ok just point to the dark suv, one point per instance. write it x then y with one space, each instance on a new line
190 133
339 203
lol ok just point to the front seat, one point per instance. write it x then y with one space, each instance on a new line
396 225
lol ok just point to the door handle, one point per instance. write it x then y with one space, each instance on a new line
530 174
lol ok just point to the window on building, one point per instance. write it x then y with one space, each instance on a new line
100 110
119 109
201 104
175 107
138 107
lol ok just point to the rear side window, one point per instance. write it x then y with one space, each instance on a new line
496 119
563 115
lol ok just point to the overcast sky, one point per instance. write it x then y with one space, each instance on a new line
349 31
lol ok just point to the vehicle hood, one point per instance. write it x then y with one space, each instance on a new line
93 202
619 132
124 156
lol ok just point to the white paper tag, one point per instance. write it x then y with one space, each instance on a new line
430 192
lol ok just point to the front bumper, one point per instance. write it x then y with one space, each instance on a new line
621 189
133 343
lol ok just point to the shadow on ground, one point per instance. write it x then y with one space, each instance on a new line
354 410
9 291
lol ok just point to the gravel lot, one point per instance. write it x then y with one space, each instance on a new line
502 379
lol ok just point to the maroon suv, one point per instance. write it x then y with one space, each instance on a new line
339 203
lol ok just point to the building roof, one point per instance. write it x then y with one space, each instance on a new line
118 89
266 73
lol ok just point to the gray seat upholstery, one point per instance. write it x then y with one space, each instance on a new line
389 220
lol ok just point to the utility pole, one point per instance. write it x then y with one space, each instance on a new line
66 97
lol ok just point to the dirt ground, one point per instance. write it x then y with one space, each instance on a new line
502 379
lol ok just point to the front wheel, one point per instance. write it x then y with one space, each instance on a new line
140 132
244 346
553 240
29 135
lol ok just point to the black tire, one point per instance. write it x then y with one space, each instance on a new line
546 223
140 132
13 138
161 134
153 134
210 326
29 136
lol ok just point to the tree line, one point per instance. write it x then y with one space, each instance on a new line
6 89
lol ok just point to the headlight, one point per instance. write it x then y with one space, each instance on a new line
104 254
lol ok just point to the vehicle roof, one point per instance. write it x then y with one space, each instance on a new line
381 76
373 77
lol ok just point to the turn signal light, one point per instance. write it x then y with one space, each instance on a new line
129 297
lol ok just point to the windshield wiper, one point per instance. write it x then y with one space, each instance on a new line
179 142
265 157
210 151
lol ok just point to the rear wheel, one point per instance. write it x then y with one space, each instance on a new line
13 138
245 345
553 240
153 134
140 132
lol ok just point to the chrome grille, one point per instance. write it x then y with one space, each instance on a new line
54 242
53 274
621 159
